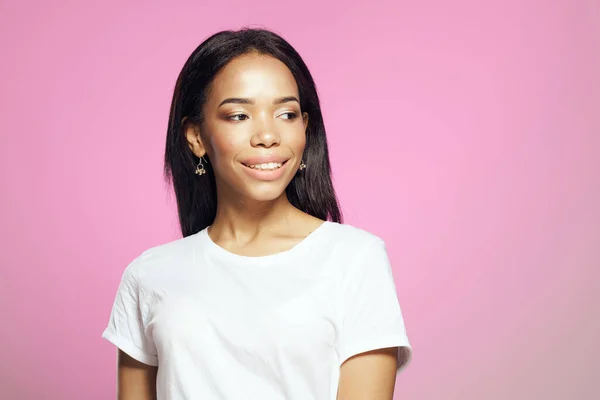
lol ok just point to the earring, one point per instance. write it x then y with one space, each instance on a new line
200 167
302 165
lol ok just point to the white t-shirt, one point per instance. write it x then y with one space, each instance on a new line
228 327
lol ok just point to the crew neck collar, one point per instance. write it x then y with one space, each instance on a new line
269 259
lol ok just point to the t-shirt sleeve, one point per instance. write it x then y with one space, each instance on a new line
126 327
371 316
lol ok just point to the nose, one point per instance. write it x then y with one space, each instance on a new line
265 135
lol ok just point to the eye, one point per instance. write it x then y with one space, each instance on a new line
289 115
237 117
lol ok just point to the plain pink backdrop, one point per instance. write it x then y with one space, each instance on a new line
465 133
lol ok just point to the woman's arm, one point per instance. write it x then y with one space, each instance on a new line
369 376
136 381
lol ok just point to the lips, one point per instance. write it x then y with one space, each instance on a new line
266 171
257 161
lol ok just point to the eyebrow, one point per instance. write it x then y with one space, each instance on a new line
239 100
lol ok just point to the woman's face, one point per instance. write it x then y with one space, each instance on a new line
253 128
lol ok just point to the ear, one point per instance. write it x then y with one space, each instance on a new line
305 120
192 134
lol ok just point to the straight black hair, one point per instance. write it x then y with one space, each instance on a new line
310 191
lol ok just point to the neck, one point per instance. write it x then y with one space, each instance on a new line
238 217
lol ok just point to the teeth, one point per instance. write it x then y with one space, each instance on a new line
267 166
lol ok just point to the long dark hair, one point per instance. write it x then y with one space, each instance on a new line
310 191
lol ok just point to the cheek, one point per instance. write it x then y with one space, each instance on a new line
225 145
295 140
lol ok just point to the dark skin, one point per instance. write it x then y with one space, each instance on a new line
135 380
246 116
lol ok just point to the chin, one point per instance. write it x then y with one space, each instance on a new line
267 195
265 192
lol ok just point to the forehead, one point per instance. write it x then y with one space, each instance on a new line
254 75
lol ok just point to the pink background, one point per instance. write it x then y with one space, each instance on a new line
465 133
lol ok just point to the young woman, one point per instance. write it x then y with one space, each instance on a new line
267 295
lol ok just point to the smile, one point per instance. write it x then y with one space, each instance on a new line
270 171
266 166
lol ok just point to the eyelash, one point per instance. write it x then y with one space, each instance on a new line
293 115
233 118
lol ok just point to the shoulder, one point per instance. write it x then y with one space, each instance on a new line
163 258
352 243
360 255
352 239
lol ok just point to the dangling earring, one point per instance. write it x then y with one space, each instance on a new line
302 165
200 167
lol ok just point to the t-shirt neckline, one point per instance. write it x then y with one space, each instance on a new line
219 251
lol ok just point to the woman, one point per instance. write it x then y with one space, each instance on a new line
267 295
